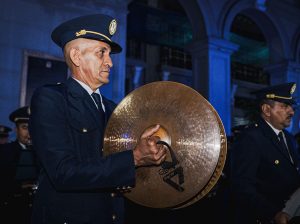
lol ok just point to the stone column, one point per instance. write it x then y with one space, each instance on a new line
211 74
165 75
137 76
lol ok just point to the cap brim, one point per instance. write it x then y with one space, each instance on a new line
286 101
115 48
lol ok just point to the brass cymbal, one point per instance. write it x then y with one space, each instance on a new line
190 128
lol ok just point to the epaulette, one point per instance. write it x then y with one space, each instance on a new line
252 125
60 87
239 128
54 84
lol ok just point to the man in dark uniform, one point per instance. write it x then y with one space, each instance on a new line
18 171
264 160
77 183
4 134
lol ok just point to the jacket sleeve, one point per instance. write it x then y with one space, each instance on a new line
292 206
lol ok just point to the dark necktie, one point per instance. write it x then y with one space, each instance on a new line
283 145
97 99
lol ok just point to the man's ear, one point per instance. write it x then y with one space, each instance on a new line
75 56
266 108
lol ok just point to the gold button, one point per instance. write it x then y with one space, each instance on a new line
114 217
84 130
112 195
276 162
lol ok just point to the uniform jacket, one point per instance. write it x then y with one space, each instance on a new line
76 183
263 177
14 169
18 173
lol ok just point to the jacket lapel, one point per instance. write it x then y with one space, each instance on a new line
273 138
109 108
81 101
292 148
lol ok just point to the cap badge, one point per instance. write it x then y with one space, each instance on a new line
293 89
112 27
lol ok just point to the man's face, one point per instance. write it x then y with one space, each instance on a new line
279 114
94 62
23 133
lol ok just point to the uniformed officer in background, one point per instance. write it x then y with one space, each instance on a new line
4 134
18 171
264 160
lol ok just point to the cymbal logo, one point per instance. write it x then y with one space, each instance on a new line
174 171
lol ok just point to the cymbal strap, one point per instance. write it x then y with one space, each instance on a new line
166 164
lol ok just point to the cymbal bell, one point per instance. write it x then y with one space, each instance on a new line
190 128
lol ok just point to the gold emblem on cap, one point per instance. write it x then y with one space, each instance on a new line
272 96
293 89
276 161
112 27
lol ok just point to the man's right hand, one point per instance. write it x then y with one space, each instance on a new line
147 152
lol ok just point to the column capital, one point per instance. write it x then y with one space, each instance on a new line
212 43
286 65
137 75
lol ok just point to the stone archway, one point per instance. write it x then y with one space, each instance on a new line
275 39
295 54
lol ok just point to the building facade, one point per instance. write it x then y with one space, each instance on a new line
222 49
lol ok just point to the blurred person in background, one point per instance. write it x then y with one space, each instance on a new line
265 161
4 134
19 171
